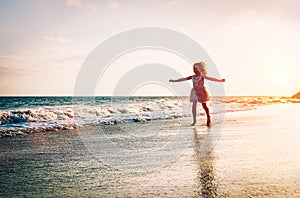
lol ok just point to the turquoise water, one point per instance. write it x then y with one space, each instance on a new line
7 103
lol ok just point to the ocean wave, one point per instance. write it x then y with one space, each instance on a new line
13 122
77 122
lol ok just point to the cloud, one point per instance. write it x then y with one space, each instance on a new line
115 4
172 3
80 4
91 8
39 71
75 3
57 39
71 58
39 59
13 65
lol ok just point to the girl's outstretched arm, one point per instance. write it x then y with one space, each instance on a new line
181 79
214 79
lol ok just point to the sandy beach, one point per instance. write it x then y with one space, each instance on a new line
255 155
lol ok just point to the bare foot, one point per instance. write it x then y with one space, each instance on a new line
193 124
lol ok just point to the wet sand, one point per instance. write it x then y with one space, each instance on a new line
255 155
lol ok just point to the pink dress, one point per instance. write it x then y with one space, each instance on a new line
198 92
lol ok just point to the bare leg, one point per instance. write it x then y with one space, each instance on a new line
194 112
207 113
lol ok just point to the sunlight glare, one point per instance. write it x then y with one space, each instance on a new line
280 79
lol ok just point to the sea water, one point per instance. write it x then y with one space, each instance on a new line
19 115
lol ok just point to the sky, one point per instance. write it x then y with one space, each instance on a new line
254 44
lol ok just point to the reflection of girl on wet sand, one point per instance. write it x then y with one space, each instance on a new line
199 93
205 162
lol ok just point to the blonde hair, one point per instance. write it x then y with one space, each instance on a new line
201 66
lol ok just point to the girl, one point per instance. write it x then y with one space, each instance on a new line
199 93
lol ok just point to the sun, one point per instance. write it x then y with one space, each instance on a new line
279 66
280 79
